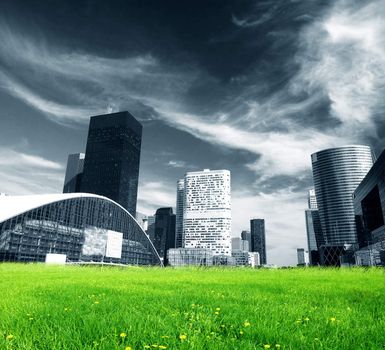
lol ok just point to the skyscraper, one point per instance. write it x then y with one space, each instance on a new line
207 211
111 165
258 241
74 170
163 236
336 173
179 214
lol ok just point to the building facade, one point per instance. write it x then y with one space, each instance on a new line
311 199
111 164
239 244
207 211
163 235
74 172
179 214
85 228
369 210
336 174
179 257
258 239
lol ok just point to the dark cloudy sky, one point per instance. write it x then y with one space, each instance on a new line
250 86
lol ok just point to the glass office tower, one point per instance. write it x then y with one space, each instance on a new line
336 173
258 240
111 165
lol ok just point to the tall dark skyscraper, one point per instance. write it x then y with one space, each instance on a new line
74 172
111 166
258 241
163 235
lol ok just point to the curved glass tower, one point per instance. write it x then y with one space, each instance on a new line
337 172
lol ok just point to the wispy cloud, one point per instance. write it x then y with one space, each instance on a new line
153 195
28 174
177 164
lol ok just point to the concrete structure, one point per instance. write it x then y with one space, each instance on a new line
142 220
179 214
258 239
336 174
111 164
369 210
87 228
74 171
207 211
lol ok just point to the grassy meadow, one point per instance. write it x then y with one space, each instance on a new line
72 307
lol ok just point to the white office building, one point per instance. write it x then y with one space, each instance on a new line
207 211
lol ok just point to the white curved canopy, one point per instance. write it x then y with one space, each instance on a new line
11 206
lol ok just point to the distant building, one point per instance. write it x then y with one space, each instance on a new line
301 257
179 257
239 244
314 235
207 211
258 241
150 231
163 236
369 210
336 174
111 164
254 259
241 257
246 236
141 219
311 199
74 171
179 214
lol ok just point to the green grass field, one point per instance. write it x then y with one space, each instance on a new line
71 307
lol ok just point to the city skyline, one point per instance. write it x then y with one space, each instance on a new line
254 88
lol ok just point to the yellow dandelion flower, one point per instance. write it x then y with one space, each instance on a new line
278 346
333 319
147 346
162 347
241 332
246 324
9 337
123 335
218 309
128 348
267 346
307 319
164 336
96 302
31 318
216 312
155 345
298 321
183 337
